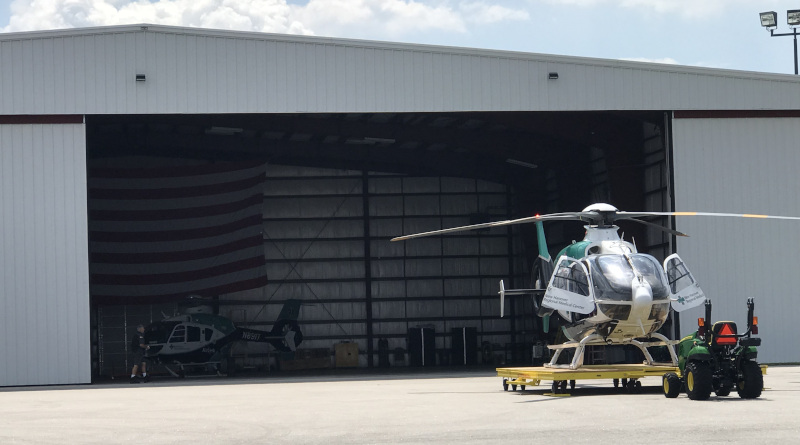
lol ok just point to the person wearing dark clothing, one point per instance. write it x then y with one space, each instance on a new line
138 348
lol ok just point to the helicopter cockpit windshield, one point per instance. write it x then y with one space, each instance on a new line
612 276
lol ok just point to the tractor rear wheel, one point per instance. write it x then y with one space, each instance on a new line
672 385
752 381
698 381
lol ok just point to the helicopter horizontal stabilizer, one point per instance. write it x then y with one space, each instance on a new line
503 292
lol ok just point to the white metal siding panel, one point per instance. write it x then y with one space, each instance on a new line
44 272
742 166
201 71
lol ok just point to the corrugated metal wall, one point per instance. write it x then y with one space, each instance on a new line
742 166
44 276
358 286
203 71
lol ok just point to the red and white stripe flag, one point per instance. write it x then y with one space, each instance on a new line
157 233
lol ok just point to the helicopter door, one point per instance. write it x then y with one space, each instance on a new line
570 289
686 293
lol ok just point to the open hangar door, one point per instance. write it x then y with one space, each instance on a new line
741 162
337 187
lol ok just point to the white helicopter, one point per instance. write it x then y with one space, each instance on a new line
606 292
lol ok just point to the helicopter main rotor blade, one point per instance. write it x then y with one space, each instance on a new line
656 226
576 216
629 215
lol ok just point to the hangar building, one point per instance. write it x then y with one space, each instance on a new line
129 156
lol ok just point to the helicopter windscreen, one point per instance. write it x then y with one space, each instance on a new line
612 276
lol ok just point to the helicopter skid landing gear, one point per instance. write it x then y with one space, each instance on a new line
180 372
594 339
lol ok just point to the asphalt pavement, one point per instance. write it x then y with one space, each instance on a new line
446 406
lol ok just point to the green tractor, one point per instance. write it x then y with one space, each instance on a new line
718 359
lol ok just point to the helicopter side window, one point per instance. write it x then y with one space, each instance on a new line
679 276
178 335
208 334
572 279
159 332
192 333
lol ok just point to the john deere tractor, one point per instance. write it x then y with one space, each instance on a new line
717 358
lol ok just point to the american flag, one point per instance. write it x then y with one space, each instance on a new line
163 232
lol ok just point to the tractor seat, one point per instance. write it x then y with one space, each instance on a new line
724 333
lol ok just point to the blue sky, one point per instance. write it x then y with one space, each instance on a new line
712 33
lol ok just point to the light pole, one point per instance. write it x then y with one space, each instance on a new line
769 20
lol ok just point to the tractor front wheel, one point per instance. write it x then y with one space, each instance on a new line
672 385
699 381
751 382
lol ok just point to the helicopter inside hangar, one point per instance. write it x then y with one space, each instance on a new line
343 184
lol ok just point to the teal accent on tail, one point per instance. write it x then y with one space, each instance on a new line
544 253
290 310
542 242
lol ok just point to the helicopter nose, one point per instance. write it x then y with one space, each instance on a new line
642 298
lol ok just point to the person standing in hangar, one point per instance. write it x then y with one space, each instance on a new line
138 348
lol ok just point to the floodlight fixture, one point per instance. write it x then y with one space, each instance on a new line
793 17
769 19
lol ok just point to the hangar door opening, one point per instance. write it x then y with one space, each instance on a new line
328 192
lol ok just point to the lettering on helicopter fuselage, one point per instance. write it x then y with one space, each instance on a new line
209 350
251 336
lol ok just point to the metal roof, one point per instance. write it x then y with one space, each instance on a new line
189 70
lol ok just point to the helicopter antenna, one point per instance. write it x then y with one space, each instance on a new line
633 241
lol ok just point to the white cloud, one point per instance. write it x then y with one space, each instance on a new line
480 12
386 18
248 15
380 18
686 8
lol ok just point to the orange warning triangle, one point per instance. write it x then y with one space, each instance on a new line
726 330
